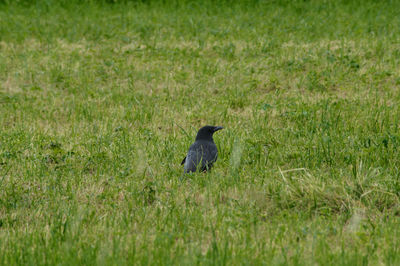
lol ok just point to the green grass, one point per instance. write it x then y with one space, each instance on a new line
100 102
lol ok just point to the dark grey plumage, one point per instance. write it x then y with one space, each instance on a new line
203 152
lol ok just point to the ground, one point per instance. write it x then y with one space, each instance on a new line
99 103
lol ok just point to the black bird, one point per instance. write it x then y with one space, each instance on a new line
203 151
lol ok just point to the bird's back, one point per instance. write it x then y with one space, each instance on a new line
202 151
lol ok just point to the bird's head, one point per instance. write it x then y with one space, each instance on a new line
206 133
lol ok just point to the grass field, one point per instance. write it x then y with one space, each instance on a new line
99 103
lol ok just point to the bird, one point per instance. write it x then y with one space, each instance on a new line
203 152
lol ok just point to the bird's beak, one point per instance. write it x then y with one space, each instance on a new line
217 128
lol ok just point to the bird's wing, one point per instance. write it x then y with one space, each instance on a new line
201 151
183 161
192 159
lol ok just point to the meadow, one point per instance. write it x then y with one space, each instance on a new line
99 102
